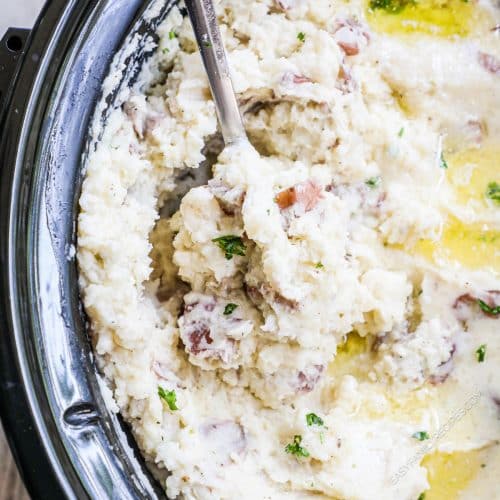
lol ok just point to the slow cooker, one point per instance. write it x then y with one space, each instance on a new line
65 440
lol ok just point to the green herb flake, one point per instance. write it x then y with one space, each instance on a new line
495 310
165 50
313 419
481 353
172 34
229 308
319 265
401 132
301 36
421 435
421 496
295 448
169 397
207 43
390 6
373 182
493 192
231 245
442 162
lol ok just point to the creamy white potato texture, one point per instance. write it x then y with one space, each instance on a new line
320 319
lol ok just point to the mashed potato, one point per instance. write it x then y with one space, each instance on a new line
320 319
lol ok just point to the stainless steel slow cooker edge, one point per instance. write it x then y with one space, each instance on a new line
65 440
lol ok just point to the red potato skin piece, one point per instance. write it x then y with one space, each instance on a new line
225 439
444 369
349 35
301 79
307 193
197 336
210 306
288 79
202 333
350 47
350 50
286 198
489 62
476 129
306 382
492 298
199 342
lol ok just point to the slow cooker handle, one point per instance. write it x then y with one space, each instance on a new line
12 48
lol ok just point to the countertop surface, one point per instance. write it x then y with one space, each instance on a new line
19 14
11 485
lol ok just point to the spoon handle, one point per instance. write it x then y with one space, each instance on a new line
204 21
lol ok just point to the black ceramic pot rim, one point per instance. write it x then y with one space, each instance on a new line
65 440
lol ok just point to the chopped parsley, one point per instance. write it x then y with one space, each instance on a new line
421 435
488 309
421 496
169 397
401 132
373 182
313 419
442 162
229 308
295 448
319 265
481 353
172 35
165 50
301 36
493 192
390 6
230 245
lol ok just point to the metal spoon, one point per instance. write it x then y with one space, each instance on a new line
206 30
213 54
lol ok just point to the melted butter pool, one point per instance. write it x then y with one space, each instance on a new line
433 17
471 245
348 360
450 473
474 246
470 173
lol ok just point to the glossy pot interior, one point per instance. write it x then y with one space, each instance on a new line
66 441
